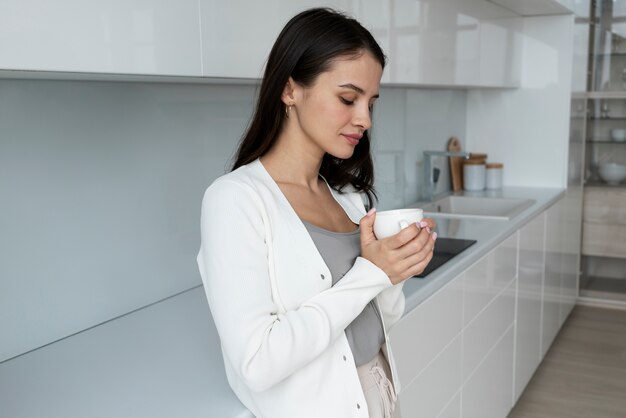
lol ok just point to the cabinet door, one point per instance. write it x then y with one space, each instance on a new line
500 45
528 327
434 390
454 43
424 332
572 218
237 35
483 333
485 279
374 16
540 7
118 36
551 302
487 394
425 46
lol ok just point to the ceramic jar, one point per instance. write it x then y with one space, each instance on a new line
494 175
474 175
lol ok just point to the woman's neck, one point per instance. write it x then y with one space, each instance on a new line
290 162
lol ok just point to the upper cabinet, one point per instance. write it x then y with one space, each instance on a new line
466 43
429 42
237 35
159 37
453 43
540 7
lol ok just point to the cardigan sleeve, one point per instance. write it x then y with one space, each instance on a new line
391 302
263 345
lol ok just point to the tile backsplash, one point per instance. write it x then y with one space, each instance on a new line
101 184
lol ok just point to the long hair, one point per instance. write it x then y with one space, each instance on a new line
305 48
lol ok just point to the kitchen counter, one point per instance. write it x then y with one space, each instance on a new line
487 233
165 360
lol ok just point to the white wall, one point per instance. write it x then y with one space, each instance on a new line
408 122
528 128
101 184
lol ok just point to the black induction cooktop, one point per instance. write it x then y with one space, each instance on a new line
445 249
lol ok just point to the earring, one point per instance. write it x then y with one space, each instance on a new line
287 110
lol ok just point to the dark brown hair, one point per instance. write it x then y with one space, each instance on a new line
305 48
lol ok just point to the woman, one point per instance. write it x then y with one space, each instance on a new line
300 289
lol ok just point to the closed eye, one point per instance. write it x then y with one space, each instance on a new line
346 101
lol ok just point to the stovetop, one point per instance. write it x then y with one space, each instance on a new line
445 250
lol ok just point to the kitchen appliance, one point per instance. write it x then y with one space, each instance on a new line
445 250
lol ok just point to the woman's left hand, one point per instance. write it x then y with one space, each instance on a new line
402 255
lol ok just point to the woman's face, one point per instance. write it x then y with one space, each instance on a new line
333 113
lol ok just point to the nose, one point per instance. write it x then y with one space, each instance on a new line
363 117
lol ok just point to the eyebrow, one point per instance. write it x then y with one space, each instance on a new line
357 89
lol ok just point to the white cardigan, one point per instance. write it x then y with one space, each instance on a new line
280 322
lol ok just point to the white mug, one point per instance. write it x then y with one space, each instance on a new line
390 222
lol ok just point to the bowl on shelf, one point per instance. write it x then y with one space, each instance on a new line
618 135
612 173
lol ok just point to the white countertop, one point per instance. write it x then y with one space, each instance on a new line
164 360
160 361
487 233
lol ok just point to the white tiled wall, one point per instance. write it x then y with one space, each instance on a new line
101 183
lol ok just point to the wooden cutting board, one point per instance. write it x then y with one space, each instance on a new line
456 165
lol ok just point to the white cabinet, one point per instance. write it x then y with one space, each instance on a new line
423 333
487 394
529 282
551 299
539 7
431 392
429 42
572 216
237 36
374 16
449 42
488 334
120 36
560 284
458 337
547 284
482 334
453 409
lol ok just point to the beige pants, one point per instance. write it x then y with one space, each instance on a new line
380 394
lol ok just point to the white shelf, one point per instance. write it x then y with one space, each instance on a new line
594 95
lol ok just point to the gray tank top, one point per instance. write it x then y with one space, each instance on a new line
339 251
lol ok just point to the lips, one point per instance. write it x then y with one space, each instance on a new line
353 139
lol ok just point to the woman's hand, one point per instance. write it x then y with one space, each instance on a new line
402 255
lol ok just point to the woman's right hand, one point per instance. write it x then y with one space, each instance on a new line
400 256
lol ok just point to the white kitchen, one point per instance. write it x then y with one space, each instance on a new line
116 116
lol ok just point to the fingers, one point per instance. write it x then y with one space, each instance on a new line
422 242
403 237
413 266
416 250
366 226
431 223
421 265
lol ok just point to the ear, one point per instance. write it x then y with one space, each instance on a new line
289 92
